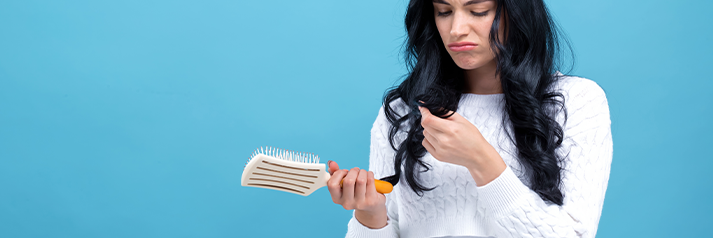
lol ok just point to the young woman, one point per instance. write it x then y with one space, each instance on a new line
484 137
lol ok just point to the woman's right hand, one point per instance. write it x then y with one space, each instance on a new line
358 192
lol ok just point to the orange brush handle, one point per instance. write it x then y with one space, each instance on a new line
381 186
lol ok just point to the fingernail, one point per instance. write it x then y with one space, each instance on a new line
329 163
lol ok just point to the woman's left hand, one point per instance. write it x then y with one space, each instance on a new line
455 140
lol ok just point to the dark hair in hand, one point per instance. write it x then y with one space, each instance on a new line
527 60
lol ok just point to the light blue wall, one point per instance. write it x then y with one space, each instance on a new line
134 118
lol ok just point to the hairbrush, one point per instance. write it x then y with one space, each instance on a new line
290 171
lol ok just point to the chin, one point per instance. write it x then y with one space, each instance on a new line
472 59
469 61
469 64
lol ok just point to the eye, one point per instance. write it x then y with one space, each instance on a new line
444 13
479 14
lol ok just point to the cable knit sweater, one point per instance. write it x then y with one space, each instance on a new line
505 207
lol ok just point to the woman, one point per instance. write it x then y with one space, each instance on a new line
487 138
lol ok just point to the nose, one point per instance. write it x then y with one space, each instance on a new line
460 26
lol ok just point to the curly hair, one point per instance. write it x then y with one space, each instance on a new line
527 59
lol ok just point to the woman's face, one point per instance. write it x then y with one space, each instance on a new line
464 26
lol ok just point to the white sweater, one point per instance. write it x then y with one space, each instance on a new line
505 207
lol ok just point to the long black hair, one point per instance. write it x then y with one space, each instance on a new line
527 59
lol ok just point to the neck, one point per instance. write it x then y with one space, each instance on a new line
483 80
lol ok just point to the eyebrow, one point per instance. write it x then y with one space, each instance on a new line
466 4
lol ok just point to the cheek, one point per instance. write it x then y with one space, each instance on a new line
444 30
483 31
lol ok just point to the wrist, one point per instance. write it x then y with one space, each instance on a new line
372 219
488 170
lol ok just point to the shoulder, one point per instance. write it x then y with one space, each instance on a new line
585 103
578 90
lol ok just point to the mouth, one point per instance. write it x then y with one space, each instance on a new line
462 46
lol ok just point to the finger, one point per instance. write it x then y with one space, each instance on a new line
425 117
431 138
370 187
360 186
455 116
348 185
448 112
429 147
430 121
333 185
424 112
332 166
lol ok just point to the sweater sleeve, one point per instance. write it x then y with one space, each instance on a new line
517 211
381 162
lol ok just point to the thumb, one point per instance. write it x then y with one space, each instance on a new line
424 110
332 166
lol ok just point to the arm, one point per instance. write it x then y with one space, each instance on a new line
381 162
517 211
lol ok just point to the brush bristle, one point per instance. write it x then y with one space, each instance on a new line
283 154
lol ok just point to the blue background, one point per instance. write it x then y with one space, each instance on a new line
134 118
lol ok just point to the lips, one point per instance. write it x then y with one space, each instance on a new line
462 46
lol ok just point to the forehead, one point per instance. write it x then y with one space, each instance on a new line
461 2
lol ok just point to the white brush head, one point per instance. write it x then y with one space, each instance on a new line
283 170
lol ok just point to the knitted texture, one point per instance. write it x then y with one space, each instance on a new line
505 207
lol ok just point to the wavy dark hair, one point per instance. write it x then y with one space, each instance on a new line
527 61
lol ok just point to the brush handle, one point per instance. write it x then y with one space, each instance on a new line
381 186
